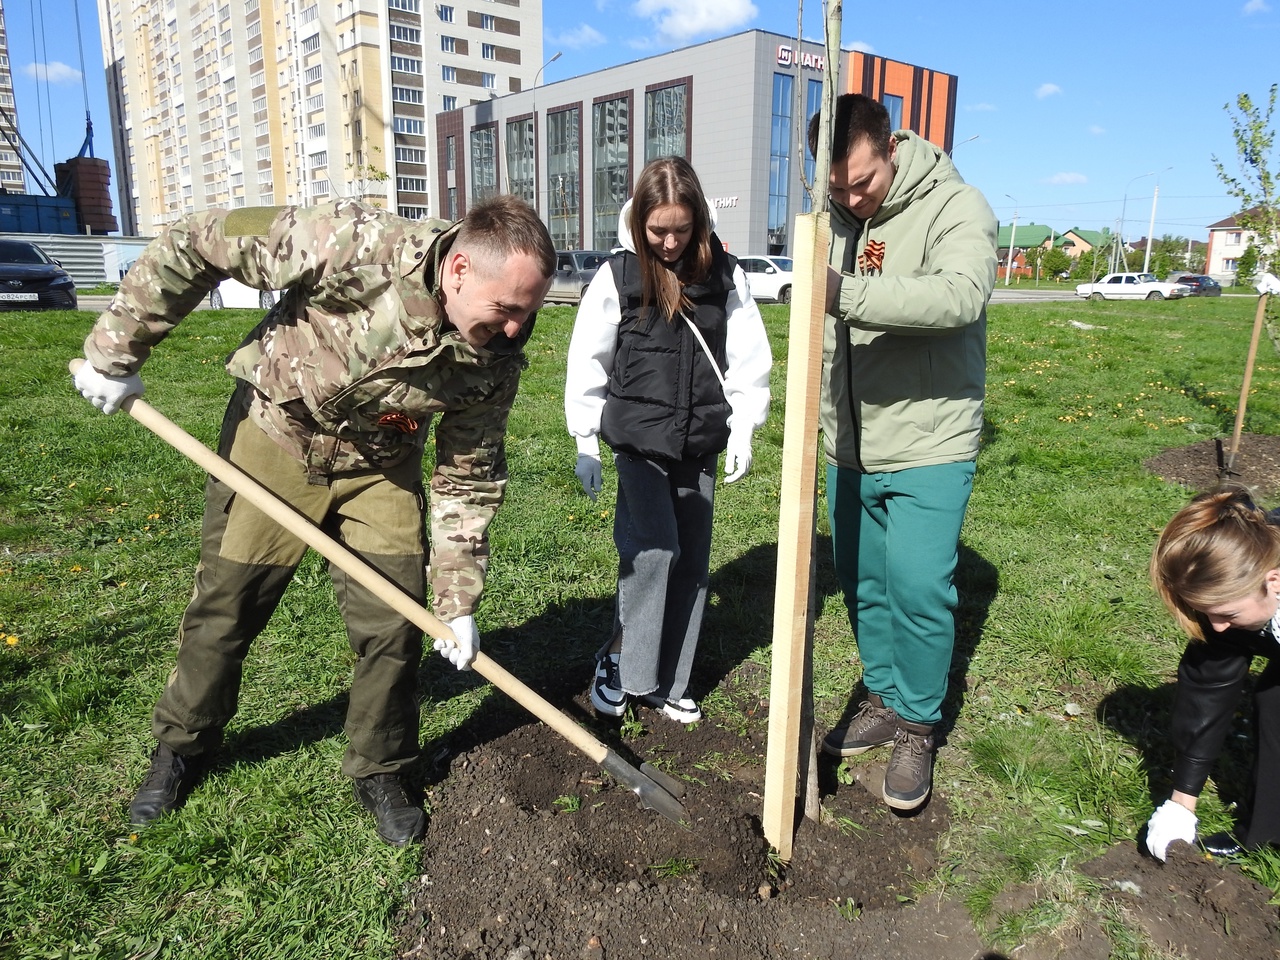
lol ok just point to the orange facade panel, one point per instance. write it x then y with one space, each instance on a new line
925 99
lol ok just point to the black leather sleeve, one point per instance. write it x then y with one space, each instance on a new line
1211 676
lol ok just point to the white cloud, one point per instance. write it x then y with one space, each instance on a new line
1255 6
981 107
1066 179
1097 131
54 72
860 45
1047 90
585 36
681 20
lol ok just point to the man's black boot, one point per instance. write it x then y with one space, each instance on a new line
165 788
400 820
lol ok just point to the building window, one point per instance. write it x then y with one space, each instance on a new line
315 131
894 106
449 74
488 80
309 45
563 157
408 125
451 153
812 105
448 45
406 94
411 155
408 34
444 13
411 5
412 213
665 122
407 64
1233 239
780 161
316 160
314 74
451 209
412 184
484 163
488 51
448 103
611 160
487 21
520 159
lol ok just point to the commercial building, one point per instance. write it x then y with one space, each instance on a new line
574 148
11 178
231 103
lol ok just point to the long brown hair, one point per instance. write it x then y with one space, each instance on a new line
665 181
1216 550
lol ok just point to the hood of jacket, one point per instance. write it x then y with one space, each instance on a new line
921 167
625 239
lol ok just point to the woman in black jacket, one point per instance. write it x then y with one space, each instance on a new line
1217 568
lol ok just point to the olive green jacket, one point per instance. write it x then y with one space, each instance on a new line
904 358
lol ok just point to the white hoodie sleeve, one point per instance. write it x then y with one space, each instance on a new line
591 351
748 357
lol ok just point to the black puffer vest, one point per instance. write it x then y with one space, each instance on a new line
665 401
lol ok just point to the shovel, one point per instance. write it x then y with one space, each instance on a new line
644 785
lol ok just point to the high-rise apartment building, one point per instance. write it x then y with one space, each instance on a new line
11 178
232 103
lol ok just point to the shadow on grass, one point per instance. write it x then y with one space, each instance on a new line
1142 716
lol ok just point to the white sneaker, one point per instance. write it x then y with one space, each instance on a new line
683 710
606 689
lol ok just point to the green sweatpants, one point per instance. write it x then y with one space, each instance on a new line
896 540
246 561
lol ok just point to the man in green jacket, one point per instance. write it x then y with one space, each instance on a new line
912 265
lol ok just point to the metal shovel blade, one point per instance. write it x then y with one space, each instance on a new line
652 796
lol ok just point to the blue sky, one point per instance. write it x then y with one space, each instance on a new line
1070 112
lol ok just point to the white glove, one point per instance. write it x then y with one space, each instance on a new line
1267 283
107 393
1171 821
737 457
464 651
588 470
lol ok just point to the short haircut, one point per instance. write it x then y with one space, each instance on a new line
858 118
504 225
664 181
1216 550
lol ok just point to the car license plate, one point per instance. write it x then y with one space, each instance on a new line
19 296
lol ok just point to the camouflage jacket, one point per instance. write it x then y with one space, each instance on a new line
353 362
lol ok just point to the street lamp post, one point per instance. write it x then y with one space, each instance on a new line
1013 233
1146 260
554 57
961 144
1123 205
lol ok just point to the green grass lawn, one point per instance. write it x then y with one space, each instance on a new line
1060 690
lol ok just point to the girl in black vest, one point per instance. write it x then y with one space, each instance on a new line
1217 568
669 363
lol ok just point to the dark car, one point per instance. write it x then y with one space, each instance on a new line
1201 286
574 270
32 280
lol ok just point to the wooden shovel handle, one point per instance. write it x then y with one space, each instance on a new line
342 558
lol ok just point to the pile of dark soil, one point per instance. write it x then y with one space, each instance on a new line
534 854
1257 466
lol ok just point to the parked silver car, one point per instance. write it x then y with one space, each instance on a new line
574 270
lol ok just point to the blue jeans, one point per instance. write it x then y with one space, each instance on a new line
896 538
663 534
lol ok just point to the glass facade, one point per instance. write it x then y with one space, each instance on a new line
812 105
564 160
666 122
611 158
894 106
780 160
484 163
520 161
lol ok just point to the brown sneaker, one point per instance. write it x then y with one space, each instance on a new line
909 776
873 725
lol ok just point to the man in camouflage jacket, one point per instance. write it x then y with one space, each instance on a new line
383 324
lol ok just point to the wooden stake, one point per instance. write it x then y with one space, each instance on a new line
792 610
1229 464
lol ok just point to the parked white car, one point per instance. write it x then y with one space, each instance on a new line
1131 286
768 277
232 294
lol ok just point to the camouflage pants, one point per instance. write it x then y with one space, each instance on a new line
246 561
